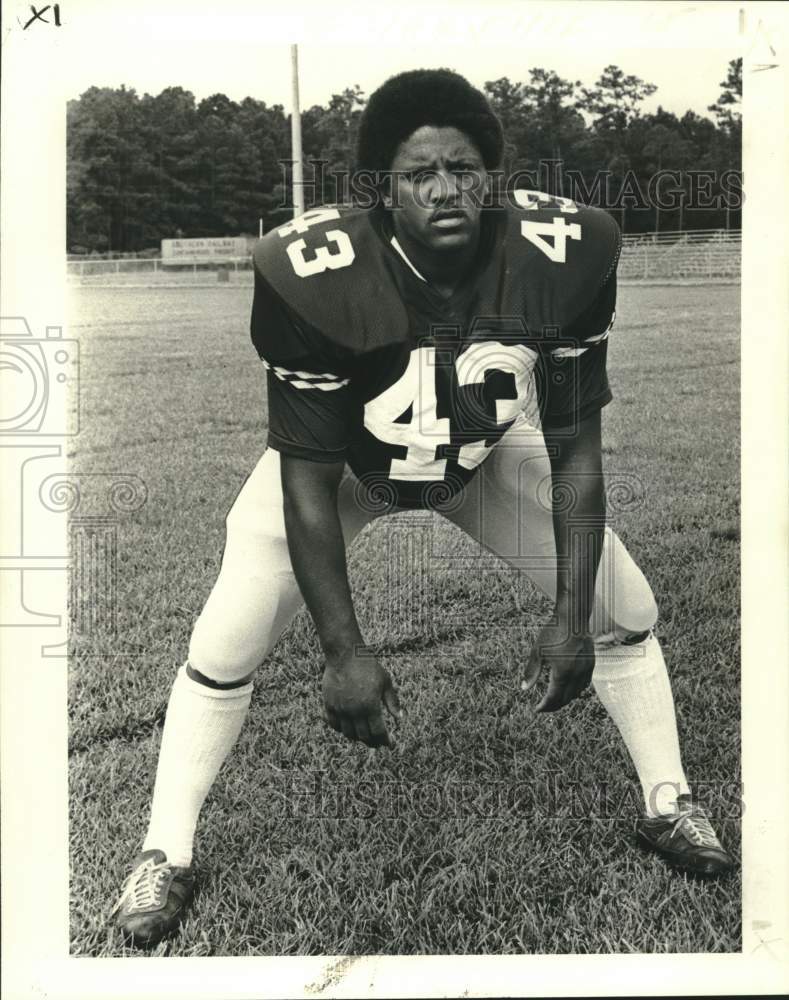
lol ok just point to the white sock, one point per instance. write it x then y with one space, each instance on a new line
200 729
633 685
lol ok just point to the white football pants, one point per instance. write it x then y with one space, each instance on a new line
506 508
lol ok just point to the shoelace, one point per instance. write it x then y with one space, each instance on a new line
143 887
697 829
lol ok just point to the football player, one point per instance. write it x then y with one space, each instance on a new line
444 350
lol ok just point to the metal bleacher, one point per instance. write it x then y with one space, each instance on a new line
693 254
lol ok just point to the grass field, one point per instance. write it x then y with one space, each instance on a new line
475 834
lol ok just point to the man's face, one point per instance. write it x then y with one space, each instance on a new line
438 184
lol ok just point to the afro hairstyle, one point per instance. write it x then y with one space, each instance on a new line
439 97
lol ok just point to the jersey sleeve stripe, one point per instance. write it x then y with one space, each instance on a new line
574 352
309 376
597 339
325 386
569 352
307 380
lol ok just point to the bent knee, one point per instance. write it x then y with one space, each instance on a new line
243 617
639 613
632 620
220 658
624 602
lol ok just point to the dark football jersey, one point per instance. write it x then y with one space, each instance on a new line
370 364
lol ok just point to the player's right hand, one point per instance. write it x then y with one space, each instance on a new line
356 688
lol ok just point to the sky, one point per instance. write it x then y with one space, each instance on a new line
682 48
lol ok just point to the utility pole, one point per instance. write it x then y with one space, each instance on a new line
295 138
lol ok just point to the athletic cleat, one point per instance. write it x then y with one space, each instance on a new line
153 900
685 839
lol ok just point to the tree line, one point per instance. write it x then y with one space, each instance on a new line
140 169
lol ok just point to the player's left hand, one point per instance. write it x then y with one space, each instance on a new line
570 660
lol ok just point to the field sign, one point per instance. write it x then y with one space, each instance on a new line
209 250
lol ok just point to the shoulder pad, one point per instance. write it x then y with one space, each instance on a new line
560 253
329 267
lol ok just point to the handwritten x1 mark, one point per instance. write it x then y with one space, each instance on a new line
38 15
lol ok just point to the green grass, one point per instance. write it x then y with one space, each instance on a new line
472 834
